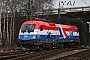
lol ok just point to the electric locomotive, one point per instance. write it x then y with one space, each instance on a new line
37 34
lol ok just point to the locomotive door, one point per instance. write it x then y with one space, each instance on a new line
52 32
48 34
41 33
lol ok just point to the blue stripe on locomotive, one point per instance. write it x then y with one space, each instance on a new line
44 37
25 37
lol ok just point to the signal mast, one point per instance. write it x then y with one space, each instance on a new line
59 12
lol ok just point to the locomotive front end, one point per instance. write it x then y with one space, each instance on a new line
27 35
27 32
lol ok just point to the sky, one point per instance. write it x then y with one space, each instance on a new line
71 3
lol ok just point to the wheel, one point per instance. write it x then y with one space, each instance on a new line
18 43
50 46
40 47
62 45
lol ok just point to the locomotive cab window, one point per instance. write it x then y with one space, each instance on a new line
28 28
41 28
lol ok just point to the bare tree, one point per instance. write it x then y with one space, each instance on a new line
12 8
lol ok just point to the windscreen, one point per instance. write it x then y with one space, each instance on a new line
28 28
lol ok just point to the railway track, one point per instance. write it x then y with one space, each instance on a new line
55 54
11 54
39 55
79 54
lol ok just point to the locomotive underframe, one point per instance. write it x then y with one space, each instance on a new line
36 44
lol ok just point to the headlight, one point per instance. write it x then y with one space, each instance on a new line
34 36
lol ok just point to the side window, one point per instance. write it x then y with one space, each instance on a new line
41 28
